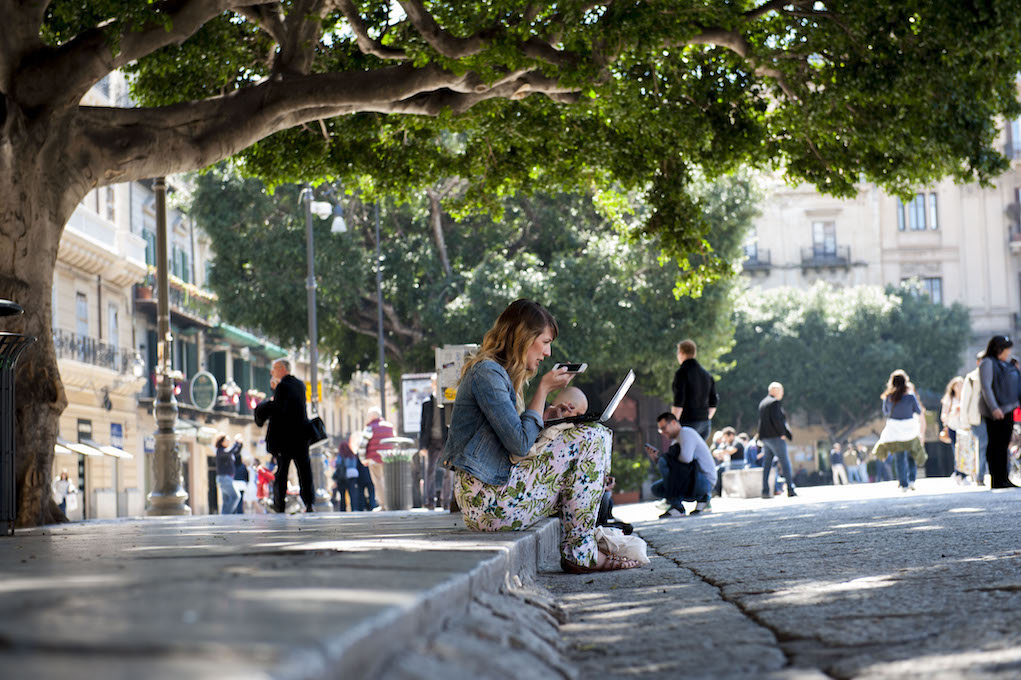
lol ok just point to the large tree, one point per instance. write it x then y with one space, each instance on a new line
834 348
508 93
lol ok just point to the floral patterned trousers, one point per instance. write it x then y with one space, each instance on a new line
565 477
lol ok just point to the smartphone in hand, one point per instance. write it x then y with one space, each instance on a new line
571 368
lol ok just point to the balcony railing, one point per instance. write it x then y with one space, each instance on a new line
184 298
821 257
758 261
88 350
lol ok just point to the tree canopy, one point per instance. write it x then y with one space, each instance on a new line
834 349
613 299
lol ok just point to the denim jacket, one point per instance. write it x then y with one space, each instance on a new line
485 427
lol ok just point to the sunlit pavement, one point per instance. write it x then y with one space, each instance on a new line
862 581
242 596
937 486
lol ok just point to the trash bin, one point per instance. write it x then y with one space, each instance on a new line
397 471
11 346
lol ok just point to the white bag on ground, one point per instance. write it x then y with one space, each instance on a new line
614 542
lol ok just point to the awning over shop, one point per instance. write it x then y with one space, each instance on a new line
187 428
63 450
115 452
245 338
75 447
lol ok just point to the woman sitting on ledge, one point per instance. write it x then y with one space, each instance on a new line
500 482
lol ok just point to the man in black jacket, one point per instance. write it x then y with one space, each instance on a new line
772 431
695 398
287 434
432 435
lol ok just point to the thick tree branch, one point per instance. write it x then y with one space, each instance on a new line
766 8
138 143
65 73
436 218
440 40
370 330
361 30
303 30
267 18
737 43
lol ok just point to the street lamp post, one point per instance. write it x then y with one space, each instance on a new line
167 496
316 455
379 317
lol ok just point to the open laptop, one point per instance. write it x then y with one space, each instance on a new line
607 413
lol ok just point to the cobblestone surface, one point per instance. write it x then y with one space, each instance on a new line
512 634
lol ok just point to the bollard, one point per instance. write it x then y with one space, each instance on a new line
11 346
397 471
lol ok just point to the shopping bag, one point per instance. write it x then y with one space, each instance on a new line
614 542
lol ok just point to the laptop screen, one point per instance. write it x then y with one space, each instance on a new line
621 391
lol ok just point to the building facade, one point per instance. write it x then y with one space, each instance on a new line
962 243
104 328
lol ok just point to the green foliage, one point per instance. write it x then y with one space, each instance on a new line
612 298
897 92
834 349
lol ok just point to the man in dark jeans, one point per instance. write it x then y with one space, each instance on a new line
287 434
695 398
772 431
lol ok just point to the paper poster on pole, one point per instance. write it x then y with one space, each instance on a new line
449 360
415 389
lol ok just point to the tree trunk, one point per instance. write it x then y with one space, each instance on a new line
436 217
38 193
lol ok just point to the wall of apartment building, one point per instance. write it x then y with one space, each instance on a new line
962 242
958 240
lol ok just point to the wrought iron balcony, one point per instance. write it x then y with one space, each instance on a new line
759 260
88 350
820 257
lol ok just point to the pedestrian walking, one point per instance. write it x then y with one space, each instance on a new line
240 482
263 478
225 472
772 432
901 435
431 437
345 476
501 482
695 398
287 434
972 425
1001 382
950 417
837 468
372 438
65 493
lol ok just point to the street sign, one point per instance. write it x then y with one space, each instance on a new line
319 392
204 391
449 360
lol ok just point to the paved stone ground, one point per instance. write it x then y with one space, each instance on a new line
510 635
328 595
850 582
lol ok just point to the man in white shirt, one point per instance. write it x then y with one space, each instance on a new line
692 448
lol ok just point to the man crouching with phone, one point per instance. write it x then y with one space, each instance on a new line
688 469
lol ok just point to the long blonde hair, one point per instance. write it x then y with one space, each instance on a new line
897 386
952 389
507 342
